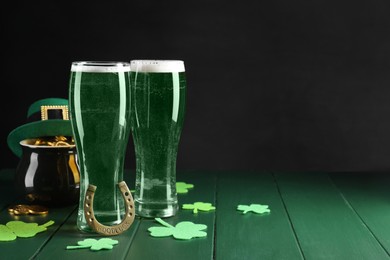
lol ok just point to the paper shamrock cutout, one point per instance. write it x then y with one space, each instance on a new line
14 229
256 208
182 187
203 206
183 230
6 234
95 245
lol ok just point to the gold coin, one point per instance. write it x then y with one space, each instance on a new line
38 142
61 138
38 210
61 143
54 141
19 209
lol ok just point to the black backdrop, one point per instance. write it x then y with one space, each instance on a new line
272 85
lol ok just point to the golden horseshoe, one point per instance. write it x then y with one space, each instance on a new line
109 230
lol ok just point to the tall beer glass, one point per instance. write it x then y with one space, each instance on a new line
158 91
99 99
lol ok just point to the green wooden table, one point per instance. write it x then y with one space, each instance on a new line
313 215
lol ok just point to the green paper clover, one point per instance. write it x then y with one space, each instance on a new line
95 245
6 234
14 229
182 187
203 206
183 230
256 208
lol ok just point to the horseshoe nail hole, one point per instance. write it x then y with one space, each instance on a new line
88 197
87 205
131 206
126 193
130 214
129 200
88 213
91 219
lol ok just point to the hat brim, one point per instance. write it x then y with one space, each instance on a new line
37 129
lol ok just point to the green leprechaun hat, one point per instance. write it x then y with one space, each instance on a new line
45 117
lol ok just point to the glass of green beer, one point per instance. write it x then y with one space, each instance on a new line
158 93
99 99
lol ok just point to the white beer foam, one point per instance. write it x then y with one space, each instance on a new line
157 66
85 66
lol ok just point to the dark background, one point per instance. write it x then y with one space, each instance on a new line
272 85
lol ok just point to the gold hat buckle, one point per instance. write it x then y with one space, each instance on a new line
45 111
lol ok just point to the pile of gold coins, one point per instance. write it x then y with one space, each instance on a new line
54 141
22 209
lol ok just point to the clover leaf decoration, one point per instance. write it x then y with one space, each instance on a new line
256 208
94 244
202 206
14 229
182 187
183 230
6 234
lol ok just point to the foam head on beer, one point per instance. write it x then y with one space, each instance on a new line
157 66
103 66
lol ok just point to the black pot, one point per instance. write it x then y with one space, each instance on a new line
48 175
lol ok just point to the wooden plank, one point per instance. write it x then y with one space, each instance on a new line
146 247
69 235
326 226
25 248
252 236
369 196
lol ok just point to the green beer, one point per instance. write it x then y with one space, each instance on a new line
99 99
158 92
